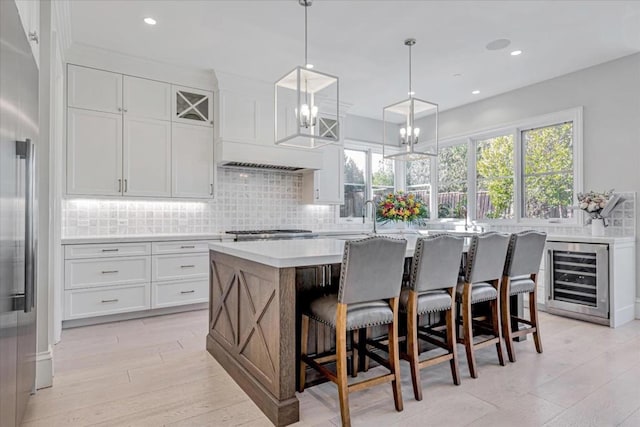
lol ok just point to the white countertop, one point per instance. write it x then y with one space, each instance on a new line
78 240
329 250
590 239
292 253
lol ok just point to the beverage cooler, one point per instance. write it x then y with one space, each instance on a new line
578 280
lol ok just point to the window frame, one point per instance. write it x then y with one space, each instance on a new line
515 129
369 149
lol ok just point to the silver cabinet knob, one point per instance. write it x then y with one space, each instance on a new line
33 36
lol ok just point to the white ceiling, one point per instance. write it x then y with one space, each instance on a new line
362 41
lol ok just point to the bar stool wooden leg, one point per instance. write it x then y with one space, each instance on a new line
355 358
495 321
304 338
341 363
364 360
467 327
394 356
533 313
412 343
450 318
505 310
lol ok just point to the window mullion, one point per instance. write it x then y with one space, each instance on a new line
518 171
433 171
471 179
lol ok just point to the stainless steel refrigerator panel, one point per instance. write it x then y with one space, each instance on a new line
18 131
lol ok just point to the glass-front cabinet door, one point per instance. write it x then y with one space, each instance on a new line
192 106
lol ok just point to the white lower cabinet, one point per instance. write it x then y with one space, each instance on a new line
174 267
81 303
114 278
168 294
87 273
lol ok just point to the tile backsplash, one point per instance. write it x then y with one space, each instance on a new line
245 199
621 223
256 199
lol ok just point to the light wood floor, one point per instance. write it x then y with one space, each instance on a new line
155 371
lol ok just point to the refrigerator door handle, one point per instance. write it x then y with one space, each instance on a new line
25 150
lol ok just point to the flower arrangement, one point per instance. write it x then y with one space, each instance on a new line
593 203
401 207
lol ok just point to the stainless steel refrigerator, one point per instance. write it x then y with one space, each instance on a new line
18 133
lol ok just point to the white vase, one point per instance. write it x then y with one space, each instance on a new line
597 227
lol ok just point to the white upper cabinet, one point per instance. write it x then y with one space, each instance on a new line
94 153
29 11
146 157
92 89
326 186
146 98
120 140
192 106
192 161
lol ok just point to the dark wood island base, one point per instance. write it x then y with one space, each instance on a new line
252 331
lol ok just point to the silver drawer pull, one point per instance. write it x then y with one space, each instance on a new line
188 292
187 266
110 272
187 247
110 250
110 300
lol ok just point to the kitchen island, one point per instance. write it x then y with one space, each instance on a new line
252 314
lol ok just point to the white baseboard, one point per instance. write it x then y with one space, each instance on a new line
132 315
637 308
44 369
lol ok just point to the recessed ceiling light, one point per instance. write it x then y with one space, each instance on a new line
150 21
475 92
457 75
411 93
498 44
516 53
309 66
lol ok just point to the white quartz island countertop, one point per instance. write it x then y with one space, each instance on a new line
293 253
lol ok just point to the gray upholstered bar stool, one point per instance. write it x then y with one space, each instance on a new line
434 275
481 283
370 281
521 276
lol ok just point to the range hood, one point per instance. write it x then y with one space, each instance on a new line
262 156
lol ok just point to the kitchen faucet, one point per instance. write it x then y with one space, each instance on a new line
373 211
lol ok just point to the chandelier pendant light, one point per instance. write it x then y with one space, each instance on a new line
306 104
410 130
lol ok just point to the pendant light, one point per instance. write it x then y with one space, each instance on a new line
306 104
410 126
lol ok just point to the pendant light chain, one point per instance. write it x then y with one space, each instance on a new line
306 6
410 91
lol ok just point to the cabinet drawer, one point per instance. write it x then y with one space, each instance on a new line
167 294
106 250
180 247
86 273
81 303
178 267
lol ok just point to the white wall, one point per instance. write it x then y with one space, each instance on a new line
610 96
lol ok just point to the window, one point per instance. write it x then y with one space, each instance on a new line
382 175
419 180
547 179
494 178
355 184
527 171
452 181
